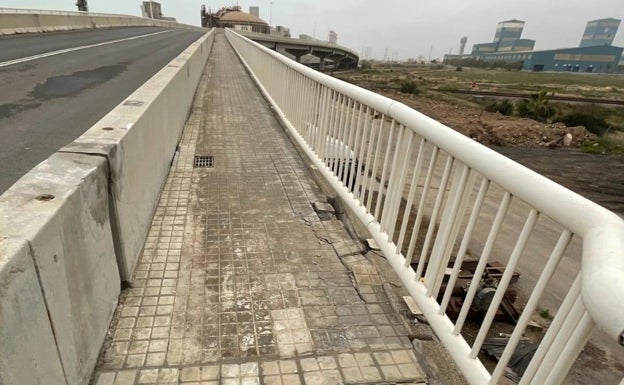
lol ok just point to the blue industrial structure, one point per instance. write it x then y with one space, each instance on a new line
600 32
507 39
595 53
586 59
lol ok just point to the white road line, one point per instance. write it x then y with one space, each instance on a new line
62 51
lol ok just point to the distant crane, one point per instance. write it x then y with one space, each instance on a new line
82 5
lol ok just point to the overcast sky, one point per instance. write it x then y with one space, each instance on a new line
406 28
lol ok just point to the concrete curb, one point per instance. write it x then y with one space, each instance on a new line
139 139
60 209
76 223
18 23
29 352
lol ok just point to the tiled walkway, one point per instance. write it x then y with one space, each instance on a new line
240 281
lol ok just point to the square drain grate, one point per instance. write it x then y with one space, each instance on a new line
204 161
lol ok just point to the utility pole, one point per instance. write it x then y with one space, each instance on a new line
430 51
271 14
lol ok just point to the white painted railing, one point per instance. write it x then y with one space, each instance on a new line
378 154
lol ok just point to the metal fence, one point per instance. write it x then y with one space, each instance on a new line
422 190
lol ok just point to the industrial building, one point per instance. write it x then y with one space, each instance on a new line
600 32
280 31
332 37
151 9
507 39
233 17
594 54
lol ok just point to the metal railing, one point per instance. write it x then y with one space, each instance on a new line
420 188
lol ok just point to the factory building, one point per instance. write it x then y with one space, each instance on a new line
507 31
507 39
332 37
233 17
602 59
595 53
280 31
600 32
462 44
151 9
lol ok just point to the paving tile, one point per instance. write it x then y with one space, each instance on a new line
149 376
270 368
125 377
210 372
352 375
190 374
309 364
105 379
370 373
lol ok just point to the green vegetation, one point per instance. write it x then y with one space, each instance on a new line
541 79
504 107
609 143
365 65
537 106
440 81
594 124
545 313
409 87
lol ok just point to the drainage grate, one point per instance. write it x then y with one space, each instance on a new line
204 161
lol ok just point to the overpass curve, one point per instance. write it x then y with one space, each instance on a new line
54 99
343 57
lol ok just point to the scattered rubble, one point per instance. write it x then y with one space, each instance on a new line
493 128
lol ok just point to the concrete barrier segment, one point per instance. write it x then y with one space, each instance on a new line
61 209
29 353
16 23
139 139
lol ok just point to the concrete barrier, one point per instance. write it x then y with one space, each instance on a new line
60 210
29 352
139 138
16 23
65 225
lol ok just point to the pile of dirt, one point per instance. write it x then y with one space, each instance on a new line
493 128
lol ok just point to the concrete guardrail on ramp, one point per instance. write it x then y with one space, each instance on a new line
73 227
32 21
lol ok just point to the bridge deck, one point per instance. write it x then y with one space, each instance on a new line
241 281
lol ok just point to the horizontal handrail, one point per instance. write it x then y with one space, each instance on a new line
388 144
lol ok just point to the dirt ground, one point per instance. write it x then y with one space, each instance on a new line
490 128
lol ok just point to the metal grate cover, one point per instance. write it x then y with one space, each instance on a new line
204 161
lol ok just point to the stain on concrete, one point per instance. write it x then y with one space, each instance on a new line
26 67
60 87
9 110
70 85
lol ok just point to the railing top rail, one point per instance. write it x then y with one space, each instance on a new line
602 231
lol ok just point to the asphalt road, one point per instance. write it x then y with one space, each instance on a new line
48 102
